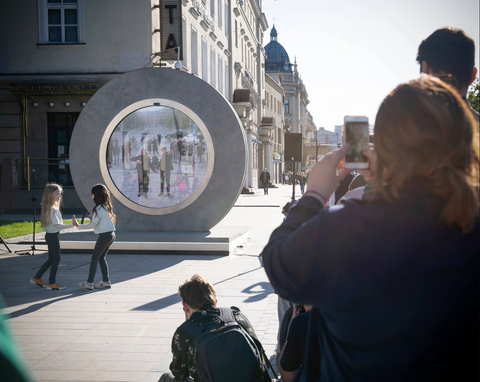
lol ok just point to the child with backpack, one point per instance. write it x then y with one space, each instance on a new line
214 344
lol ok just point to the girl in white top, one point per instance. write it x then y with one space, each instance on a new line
52 223
103 223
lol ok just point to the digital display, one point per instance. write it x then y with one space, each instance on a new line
157 156
357 134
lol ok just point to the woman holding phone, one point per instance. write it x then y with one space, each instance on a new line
394 281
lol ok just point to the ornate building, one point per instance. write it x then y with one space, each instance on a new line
285 73
69 49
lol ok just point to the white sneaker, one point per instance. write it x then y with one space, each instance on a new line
85 285
103 285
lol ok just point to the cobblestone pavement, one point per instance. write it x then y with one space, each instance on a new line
124 334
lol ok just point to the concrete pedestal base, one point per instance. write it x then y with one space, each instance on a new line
218 241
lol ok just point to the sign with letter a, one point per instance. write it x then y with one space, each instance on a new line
171 28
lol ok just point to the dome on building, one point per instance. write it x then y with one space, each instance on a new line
277 59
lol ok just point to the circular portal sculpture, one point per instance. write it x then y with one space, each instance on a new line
169 147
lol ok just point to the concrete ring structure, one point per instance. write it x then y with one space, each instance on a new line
219 123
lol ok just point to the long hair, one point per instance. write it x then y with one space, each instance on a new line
424 131
48 203
101 196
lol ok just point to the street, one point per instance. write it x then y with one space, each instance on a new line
124 334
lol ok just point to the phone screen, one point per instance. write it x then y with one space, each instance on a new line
356 133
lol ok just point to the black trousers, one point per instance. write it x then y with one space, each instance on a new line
53 242
99 255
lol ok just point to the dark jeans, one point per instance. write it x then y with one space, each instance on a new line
265 187
99 255
144 182
165 175
53 243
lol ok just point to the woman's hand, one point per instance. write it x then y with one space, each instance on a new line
324 177
369 173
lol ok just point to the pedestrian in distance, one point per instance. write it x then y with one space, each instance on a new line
143 167
165 166
303 181
52 223
394 281
265 179
103 223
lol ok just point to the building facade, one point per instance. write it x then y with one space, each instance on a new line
285 73
63 51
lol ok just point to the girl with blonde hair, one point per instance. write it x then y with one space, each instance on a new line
103 223
52 223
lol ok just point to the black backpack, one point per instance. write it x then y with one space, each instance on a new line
224 351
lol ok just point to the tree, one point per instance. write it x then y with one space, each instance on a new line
474 95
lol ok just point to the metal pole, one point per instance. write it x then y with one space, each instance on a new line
293 179
34 200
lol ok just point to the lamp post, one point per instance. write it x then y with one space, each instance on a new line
178 64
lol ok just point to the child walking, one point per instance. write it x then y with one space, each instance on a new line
103 223
52 223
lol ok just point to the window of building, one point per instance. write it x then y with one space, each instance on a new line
194 48
227 19
204 60
220 13
287 106
243 59
227 81
184 37
220 74
60 21
213 70
236 34
212 7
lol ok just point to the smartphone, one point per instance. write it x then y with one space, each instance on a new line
355 132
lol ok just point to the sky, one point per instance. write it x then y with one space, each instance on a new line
352 53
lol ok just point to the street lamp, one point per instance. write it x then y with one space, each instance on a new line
178 65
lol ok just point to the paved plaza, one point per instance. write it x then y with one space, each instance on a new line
124 334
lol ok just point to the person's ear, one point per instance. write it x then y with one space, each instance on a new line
215 302
186 308
425 68
474 75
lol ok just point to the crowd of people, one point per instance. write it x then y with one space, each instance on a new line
389 275
380 269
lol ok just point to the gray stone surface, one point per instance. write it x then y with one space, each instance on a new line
222 122
124 334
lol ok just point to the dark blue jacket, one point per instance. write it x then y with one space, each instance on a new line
396 293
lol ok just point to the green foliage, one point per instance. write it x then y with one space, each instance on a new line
9 228
474 95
